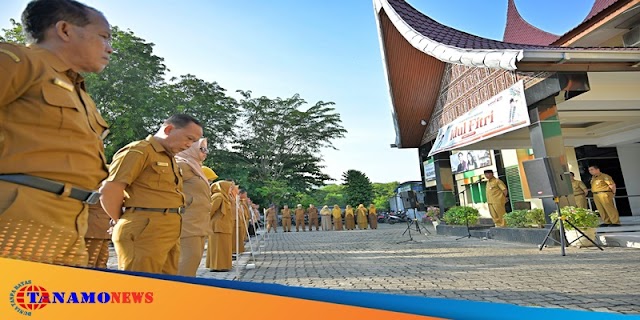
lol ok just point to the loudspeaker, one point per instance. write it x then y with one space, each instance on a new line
409 199
547 178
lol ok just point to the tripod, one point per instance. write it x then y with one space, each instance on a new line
563 237
410 224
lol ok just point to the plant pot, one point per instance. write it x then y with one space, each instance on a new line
572 235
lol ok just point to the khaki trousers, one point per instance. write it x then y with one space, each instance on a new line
40 226
272 223
606 208
191 251
313 222
497 212
98 250
300 223
286 224
148 241
581 201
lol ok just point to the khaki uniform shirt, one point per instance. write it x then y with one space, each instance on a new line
579 189
151 174
495 187
195 221
601 182
313 213
271 214
49 126
286 213
299 214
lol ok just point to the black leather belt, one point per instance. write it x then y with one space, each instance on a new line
602 192
163 210
86 196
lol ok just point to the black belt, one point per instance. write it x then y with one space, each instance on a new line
89 197
602 192
163 210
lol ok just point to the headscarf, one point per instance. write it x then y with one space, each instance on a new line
325 211
191 157
221 189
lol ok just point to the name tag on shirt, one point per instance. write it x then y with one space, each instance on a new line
162 164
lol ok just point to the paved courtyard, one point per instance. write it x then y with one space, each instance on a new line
439 266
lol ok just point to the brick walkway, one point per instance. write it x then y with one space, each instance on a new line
438 266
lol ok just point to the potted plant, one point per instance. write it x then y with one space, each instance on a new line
461 215
584 219
433 214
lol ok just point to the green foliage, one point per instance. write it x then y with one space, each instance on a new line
516 219
536 217
13 34
433 213
382 193
357 187
460 215
581 218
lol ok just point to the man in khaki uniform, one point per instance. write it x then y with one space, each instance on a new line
300 218
147 236
313 217
496 198
580 192
286 219
604 191
51 152
272 221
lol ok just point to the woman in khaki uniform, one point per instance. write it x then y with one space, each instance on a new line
325 218
580 192
97 237
337 218
362 217
195 219
349 218
220 241
373 217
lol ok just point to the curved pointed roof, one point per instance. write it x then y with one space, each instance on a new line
519 30
598 6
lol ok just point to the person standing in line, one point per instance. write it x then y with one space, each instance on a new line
52 155
580 192
300 218
362 217
272 221
195 219
604 192
349 218
147 235
312 213
286 219
325 218
337 218
373 217
219 254
497 193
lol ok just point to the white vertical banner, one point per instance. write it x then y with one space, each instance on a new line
502 113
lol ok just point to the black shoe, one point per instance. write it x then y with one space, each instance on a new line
615 225
603 225
221 270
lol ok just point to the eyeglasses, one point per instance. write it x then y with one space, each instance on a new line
204 150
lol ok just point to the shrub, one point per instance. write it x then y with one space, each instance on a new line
516 219
536 217
433 213
461 215
581 218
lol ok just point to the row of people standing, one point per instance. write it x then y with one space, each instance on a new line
364 217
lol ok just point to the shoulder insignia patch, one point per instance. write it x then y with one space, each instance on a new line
11 55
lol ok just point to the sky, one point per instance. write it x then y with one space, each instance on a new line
324 50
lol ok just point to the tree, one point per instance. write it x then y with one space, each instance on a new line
357 187
14 34
279 141
382 193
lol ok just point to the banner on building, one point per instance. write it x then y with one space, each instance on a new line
502 113
429 170
467 160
